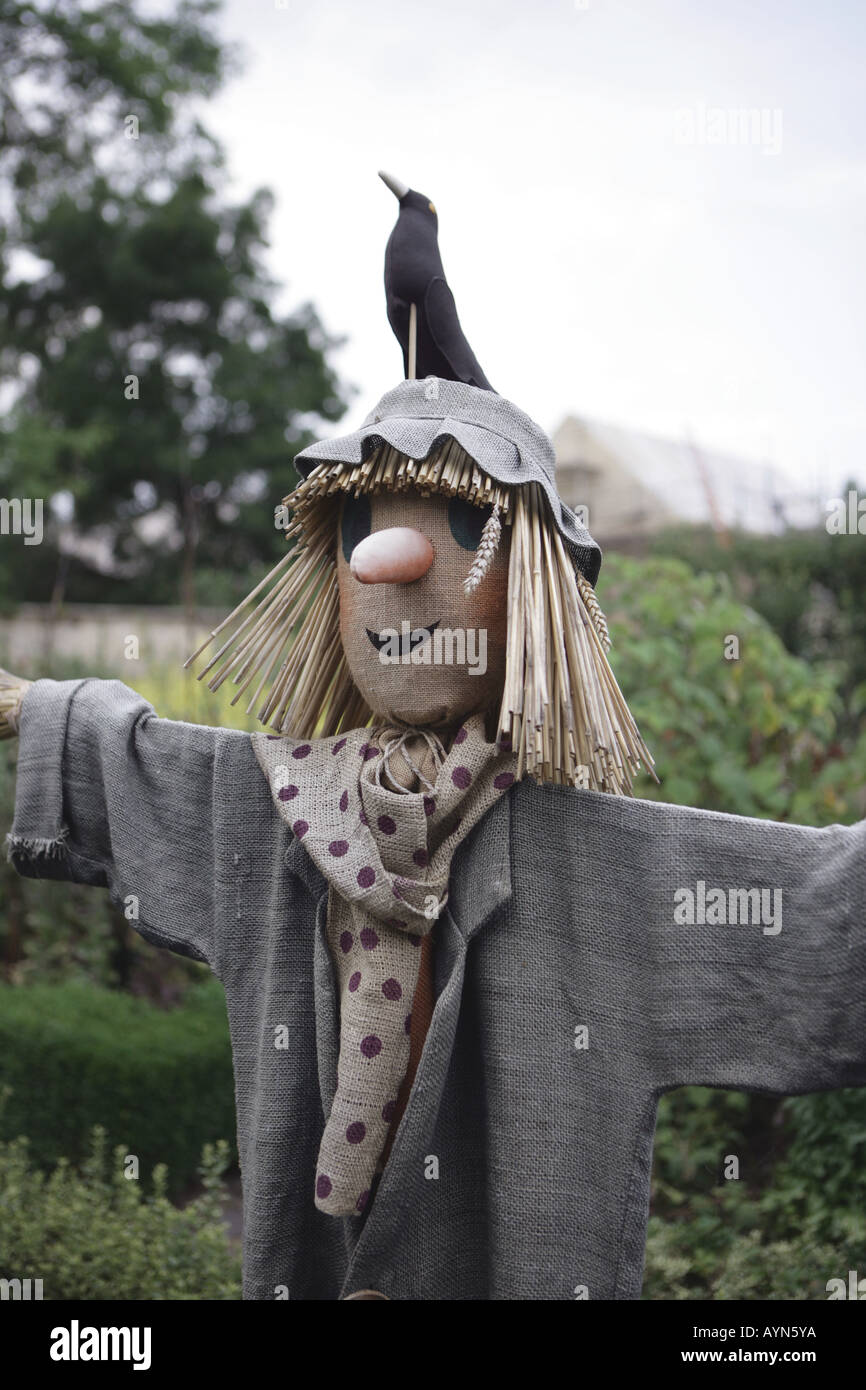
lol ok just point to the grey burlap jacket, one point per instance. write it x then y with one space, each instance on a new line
581 970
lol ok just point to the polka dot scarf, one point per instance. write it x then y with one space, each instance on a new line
381 813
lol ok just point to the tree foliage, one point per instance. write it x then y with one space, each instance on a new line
150 383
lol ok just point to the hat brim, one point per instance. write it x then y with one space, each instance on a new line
505 443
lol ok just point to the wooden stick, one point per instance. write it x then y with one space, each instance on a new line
413 340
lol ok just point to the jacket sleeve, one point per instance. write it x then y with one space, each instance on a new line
109 794
757 939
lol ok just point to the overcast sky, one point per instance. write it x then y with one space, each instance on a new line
621 244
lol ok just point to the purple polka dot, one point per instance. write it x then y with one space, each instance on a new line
389 1110
362 1200
347 941
338 848
288 793
356 1132
273 738
503 780
354 981
344 801
413 938
460 735
338 746
505 743
366 877
371 1046
301 752
324 1186
395 889
369 939
420 857
368 751
408 1024
429 805
362 817
461 777
300 828
386 825
392 989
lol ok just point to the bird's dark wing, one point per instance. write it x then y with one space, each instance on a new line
440 312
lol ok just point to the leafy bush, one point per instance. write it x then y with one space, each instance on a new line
821 1182
791 1221
725 1255
75 1056
755 736
96 1235
808 585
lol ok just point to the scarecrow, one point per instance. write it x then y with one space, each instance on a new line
461 960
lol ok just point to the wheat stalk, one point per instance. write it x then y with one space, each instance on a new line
487 547
587 593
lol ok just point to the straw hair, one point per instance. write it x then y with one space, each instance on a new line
561 706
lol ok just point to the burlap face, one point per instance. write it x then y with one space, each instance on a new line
381 814
448 655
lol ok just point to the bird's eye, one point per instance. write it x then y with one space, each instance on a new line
467 522
431 207
355 524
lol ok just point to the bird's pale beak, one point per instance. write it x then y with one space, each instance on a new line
397 187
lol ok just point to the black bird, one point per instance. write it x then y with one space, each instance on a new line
414 275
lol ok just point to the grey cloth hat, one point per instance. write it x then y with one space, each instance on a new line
417 415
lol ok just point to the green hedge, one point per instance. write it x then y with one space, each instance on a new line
97 1235
76 1056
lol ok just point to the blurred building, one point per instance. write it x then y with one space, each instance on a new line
633 485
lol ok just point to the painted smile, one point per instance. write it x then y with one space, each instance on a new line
408 640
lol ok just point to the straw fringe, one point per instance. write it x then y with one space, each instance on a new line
290 639
12 692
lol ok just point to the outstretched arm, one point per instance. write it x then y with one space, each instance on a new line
709 949
758 941
109 794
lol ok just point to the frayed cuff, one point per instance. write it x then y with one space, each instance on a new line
37 847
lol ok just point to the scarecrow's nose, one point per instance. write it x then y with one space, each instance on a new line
394 556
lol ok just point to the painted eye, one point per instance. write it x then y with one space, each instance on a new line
467 522
355 524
